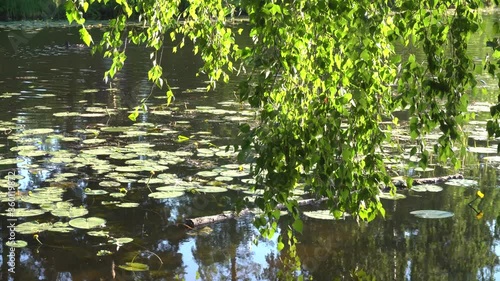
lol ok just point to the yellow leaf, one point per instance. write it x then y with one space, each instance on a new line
480 215
480 194
182 138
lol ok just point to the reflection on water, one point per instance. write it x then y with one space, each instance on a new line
40 76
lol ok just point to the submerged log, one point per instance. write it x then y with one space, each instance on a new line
400 182
200 221
196 222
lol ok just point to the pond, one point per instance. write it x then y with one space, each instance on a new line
102 197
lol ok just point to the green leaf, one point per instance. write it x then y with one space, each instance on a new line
86 37
298 225
85 6
133 116
280 246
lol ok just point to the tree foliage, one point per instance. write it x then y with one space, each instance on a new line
327 78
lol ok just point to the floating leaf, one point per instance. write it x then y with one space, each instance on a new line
389 196
461 182
432 214
211 189
221 178
32 227
170 188
87 223
117 195
207 174
72 212
127 205
17 243
100 233
10 161
134 266
419 169
234 173
66 114
24 212
41 131
323 215
120 241
61 229
482 150
89 191
426 187
94 141
165 194
109 184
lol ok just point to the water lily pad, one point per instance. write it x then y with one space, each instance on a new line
104 203
72 212
427 187
139 145
87 223
482 150
41 131
171 188
10 161
24 212
165 194
127 205
89 191
121 241
23 147
70 139
254 192
66 114
234 173
93 141
389 196
151 181
100 233
212 189
61 229
322 215
134 266
117 195
32 227
419 169
223 178
461 182
16 243
432 214
37 200
493 159
121 156
207 174
130 169
90 115
109 184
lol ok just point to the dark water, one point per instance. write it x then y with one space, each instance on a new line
49 78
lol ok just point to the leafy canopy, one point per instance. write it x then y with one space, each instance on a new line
327 77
